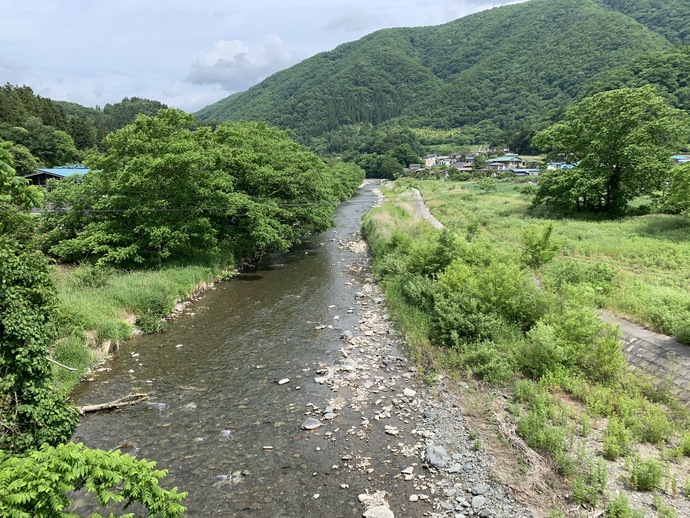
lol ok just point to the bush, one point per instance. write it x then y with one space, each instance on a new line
645 475
617 439
656 426
574 339
570 272
538 248
590 483
619 507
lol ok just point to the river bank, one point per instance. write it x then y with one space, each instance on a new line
102 308
288 392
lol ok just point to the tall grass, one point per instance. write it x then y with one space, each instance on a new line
649 254
99 306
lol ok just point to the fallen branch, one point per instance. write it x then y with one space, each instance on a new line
60 364
131 399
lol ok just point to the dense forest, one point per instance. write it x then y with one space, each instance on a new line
497 72
50 133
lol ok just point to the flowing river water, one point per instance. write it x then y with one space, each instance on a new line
236 376
217 419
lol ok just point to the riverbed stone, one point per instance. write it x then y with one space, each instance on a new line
478 502
379 511
480 489
311 424
437 456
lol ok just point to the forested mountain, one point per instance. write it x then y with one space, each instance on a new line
51 133
491 73
671 18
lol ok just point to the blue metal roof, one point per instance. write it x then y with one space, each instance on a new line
65 171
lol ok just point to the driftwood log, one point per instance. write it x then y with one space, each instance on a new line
131 399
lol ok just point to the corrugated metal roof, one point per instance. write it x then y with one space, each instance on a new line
65 171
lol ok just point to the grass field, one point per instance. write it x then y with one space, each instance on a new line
649 255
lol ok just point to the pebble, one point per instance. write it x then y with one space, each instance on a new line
477 502
380 511
480 489
311 424
408 392
283 381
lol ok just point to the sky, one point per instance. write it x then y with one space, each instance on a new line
186 53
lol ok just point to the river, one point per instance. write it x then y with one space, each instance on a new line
234 379
216 407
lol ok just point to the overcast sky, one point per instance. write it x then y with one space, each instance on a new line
186 53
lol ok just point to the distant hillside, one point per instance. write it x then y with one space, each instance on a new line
499 70
671 18
668 70
56 132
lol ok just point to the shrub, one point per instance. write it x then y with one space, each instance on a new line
656 426
617 439
590 483
619 507
538 248
645 475
527 189
685 444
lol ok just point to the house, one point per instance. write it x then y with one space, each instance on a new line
415 167
430 160
505 162
524 172
464 167
552 166
42 175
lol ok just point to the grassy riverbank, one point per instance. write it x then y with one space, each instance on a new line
100 307
647 255
486 301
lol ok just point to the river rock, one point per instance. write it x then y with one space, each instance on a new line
380 511
311 424
480 489
437 456
477 502
283 381
408 392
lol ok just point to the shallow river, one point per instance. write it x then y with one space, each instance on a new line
217 418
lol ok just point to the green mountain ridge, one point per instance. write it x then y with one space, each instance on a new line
504 69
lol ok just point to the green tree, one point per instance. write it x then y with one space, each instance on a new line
24 162
679 191
621 140
166 189
30 412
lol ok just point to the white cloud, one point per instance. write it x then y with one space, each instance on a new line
236 66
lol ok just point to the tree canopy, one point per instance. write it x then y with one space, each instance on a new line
167 189
622 142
